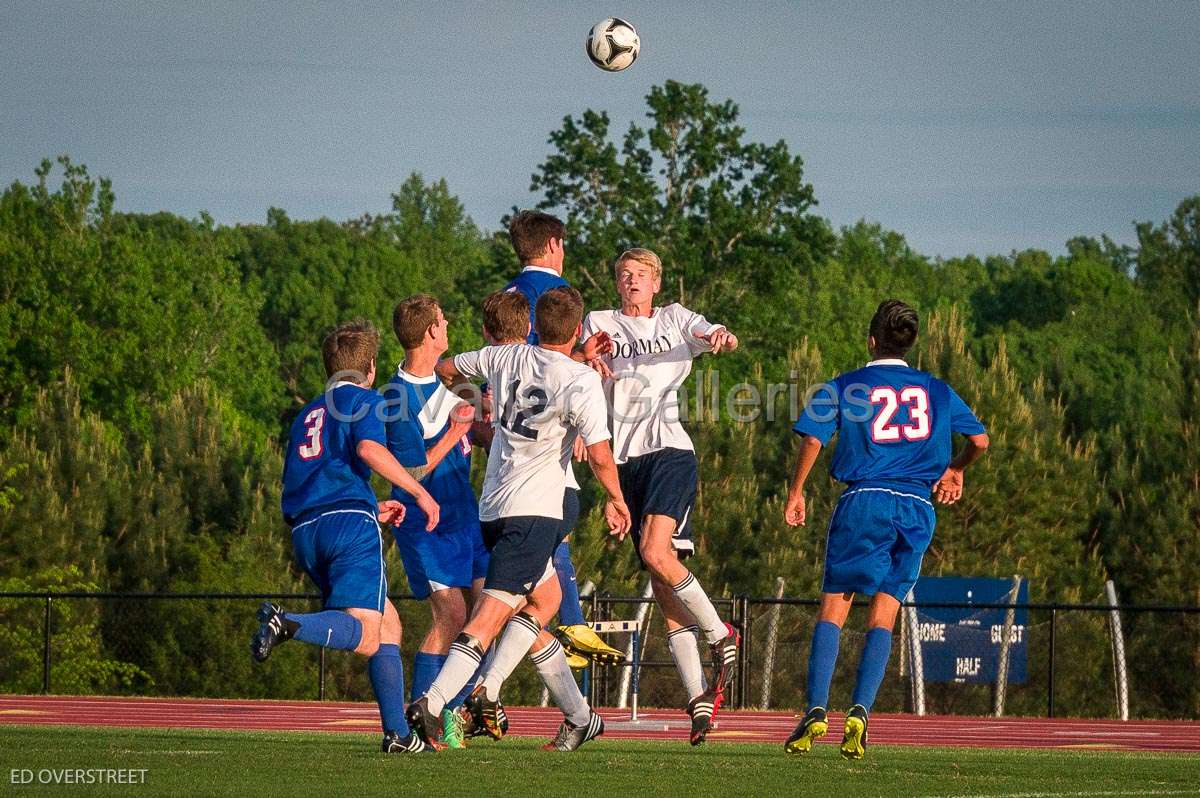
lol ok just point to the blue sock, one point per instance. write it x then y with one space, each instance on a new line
822 658
329 628
569 612
425 670
387 680
872 665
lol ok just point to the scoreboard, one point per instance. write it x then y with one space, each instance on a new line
962 644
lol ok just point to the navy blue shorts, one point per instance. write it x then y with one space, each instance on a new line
877 537
342 552
662 483
440 560
521 546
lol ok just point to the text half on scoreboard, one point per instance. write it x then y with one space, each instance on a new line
962 644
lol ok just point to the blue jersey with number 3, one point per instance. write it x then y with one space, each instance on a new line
894 424
322 470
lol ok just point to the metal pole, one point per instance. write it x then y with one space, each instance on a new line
635 667
1120 676
918 662
46 648
772 641
1005 636
321 675
744 654
628 674
1050 671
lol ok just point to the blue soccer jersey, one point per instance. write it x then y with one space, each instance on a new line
322 470
533 281
418 414
894 424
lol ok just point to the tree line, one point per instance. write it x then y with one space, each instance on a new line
150 365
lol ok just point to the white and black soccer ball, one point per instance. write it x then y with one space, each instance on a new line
613 44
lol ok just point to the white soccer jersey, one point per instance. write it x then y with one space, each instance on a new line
651 358
541 400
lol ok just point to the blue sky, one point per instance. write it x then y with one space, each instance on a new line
968 127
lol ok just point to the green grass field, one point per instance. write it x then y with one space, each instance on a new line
250 764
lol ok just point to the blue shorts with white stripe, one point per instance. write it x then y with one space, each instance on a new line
877 537
342 552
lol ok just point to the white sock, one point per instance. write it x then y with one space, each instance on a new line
460 665
684 644
551 664
701 608
514 643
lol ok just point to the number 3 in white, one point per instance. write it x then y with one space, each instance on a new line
313 421
915 399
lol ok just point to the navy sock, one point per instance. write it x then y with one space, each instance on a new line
821 660
569 611
425 670
872 666
329 628
387 680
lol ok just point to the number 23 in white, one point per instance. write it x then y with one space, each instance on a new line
313 422
915 399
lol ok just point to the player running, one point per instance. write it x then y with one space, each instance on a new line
335 443
537 238
894 426
446 566
651 356
543 400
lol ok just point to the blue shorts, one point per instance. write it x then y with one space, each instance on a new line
342 552
522 546
662 483
441 560
877 537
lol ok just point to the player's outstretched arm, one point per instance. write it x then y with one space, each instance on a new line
461 418
383 463
794 512
949 487
600 458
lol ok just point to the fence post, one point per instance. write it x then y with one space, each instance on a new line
1118 646
1050 670
46 648
772 641
1005 638
916 660
321 675
745 653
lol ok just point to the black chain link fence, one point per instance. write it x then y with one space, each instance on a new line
197 645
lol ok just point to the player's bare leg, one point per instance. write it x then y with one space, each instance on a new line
658 552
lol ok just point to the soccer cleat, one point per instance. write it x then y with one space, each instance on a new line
272 631
393 743
570 737
424 723
703 708
582 640
854 739
812 727
489 715
452 729
725 654
577 662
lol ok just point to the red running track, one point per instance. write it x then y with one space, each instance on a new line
655 724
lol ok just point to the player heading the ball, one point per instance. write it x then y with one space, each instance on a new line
649 358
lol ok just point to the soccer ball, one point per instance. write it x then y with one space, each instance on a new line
613 44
